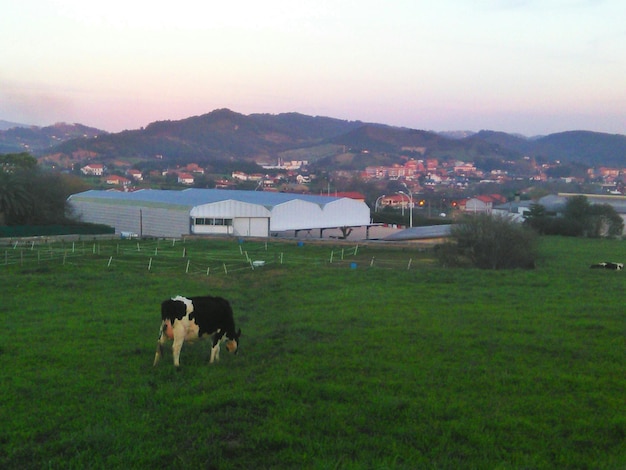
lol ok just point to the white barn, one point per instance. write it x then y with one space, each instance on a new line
168 213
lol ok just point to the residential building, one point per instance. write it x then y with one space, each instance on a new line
93 169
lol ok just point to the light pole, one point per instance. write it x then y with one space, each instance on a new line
410 196
376 203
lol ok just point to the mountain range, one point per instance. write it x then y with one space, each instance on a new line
225 136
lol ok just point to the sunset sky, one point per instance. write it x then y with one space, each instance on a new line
521 66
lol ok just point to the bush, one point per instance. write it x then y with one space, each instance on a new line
490 242
580 218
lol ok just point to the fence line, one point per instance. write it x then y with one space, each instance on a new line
160 255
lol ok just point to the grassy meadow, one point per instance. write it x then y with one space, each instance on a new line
352 357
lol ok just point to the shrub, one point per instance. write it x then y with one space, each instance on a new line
491 242
580 218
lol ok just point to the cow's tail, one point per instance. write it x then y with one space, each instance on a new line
160 341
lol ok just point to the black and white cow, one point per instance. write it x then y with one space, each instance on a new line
191 318
608 265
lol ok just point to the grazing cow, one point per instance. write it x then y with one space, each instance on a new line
191 318
608 265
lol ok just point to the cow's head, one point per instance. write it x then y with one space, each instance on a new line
232 344
173 309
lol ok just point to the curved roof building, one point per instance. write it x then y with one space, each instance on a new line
169 213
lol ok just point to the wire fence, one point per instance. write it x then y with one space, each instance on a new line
177 256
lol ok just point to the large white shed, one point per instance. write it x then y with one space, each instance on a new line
168 213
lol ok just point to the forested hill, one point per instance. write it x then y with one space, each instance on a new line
224 135
39 140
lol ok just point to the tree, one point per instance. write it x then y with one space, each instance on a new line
592 220
50 191
604 221
580 218
490 242
15 199
31 196
538 219
16 161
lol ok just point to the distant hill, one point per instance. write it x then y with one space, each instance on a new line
4 125
227 136
219 136
592 148
502 139
589 148
37 140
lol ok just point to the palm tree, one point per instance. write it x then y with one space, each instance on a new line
15 200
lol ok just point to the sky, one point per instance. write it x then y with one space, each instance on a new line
531 67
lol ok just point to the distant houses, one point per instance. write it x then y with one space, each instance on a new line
135 175
117 180
93 169
185 178
423 178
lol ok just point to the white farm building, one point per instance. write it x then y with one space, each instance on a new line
169 213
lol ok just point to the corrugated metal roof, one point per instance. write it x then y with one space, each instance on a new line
195 197
417 233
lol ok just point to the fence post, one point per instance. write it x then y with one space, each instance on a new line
150 264
372 262
225 270
187 269
110 259
331 256
409 266
356 249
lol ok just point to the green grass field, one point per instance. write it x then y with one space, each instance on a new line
380 359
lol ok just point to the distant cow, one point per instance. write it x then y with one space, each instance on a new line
197 317
608 265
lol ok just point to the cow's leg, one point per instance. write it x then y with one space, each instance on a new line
215 349
157 355
176 347
215 353
159 349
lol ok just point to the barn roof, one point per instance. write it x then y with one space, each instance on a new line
193 197
417 233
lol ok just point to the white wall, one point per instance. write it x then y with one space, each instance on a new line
299 214
251 227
